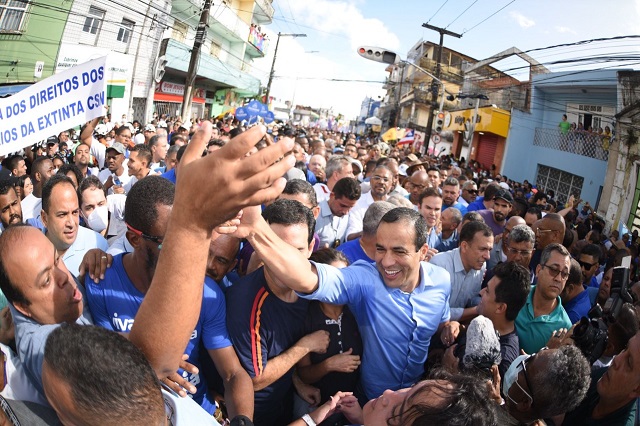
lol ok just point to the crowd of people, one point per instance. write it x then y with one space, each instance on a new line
208 273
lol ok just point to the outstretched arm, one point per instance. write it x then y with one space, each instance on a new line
210 191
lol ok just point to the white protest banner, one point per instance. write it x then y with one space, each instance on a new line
54 104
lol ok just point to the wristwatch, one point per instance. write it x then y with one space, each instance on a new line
308 420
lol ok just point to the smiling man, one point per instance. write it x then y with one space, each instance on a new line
543 313
61 218
387 296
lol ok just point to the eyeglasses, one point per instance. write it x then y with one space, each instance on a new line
520 252
380 178
471 191
415 185
587 265
154 239
553 271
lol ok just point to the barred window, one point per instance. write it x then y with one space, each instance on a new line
12 15
126 28
93 21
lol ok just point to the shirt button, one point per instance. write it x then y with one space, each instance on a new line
338 333
340 342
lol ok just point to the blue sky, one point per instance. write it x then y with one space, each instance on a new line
335 28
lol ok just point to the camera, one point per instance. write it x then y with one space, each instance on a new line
591 334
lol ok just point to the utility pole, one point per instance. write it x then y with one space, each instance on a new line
192 72
399 98
434 102
273 64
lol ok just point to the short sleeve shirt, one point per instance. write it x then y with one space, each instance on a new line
396 326
261 327
534 332
115 301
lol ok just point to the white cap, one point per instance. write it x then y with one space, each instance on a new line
138 139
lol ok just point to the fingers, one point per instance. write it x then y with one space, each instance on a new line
197 144
101 266
267 194
179 384
241 144
266 157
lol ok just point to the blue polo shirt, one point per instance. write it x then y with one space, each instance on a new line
353 251
578 307
535 332
459 206
396 326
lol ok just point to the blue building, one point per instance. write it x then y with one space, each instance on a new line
572 161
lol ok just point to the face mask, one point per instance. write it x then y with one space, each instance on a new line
511 375
98 219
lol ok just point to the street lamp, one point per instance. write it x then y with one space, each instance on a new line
275 54
379 54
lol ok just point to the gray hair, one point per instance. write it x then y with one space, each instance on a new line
335 164
546 253
373 215
522 233
456 215
468 185
561 386
451 181
399 201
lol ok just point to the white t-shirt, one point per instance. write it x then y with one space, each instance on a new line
116 203
124 177
31 207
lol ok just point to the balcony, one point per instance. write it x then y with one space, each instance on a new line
447 73
579 143
263 11
228 22
258 43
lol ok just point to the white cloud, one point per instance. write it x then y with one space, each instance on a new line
522 20
305 77
343 18
565 30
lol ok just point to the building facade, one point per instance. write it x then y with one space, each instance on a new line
234 39
572 162
30 35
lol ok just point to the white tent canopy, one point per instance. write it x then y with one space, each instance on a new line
374 121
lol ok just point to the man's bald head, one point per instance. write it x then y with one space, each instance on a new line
515 221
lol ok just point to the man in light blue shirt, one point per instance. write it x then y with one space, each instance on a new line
332 222
61 218
466 265
399 302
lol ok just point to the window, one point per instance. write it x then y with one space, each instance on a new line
93 21
180 30
215 49
126 28
564 184
12 15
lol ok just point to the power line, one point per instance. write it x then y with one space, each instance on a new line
436 12
488 17
463 12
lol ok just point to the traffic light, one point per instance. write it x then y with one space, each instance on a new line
378 54
439 122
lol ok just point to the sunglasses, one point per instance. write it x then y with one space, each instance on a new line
587 265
